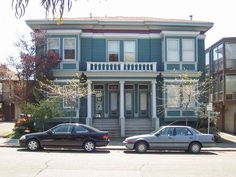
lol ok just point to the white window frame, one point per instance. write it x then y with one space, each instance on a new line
134 52
59 51
177 50
188 50
108 50
69 59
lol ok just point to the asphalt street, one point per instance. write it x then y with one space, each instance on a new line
17 162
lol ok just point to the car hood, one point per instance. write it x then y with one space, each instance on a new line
36 134
139 136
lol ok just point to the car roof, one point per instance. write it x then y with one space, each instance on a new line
182 126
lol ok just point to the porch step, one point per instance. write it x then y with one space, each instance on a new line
110 125
138 126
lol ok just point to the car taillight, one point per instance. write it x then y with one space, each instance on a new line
105 136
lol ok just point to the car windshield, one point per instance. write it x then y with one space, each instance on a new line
153 132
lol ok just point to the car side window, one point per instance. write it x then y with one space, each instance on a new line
79 129
62 129
179 131
168 131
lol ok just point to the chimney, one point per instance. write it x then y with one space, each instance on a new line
191 17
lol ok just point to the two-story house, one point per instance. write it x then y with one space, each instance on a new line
126 58
220 58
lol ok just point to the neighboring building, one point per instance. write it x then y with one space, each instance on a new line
12 94
221 64
126 58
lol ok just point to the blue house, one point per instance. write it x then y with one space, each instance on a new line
128 60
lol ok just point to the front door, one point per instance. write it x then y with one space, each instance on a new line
114 104
129 113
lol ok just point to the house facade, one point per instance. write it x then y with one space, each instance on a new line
220 62
134 62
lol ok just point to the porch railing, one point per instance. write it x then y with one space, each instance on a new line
122 66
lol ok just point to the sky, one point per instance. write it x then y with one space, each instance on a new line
221 13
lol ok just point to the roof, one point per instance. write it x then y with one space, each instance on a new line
122 21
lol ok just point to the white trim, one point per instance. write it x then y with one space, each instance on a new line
54 32
179 81
201 36
63 50
122 35
180 33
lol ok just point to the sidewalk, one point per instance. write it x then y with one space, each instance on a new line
228 144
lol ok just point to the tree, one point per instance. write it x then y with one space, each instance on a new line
190 94
55 7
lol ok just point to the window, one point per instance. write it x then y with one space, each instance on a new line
207 58
230 84
0 88
62 129
188 92
182 131
69 96
79 129
129 51
188 49
113 50
54 45
172 50
173 96
230 52
167 131
69 48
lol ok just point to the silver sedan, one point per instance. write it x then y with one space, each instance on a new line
171 138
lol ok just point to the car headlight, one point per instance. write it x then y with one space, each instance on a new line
23 137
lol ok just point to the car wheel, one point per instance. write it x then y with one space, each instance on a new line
195 147
141 147
33 145
89 146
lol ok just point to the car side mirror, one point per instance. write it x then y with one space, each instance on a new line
157 134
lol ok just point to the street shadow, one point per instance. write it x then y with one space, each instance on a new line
165 152
62 150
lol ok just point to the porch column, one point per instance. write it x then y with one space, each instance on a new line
122 117
89 104
155 120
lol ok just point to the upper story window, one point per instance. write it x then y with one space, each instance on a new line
218 52
172 49
129 51
188 50
113 50
54 45
230 54
69 48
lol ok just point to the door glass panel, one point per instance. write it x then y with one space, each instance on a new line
143 101
128 97
99 105
114 104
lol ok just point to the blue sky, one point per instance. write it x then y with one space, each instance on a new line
221 13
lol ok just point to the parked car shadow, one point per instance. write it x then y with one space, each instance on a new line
166 152
62 150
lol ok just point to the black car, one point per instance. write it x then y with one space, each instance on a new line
66 135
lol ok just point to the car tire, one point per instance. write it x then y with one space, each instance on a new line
141 147
33 145
89 146
195 147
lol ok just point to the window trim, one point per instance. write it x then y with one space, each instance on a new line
64 49
118 41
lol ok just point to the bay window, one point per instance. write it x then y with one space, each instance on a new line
173 96
188 50
53 44
173 50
